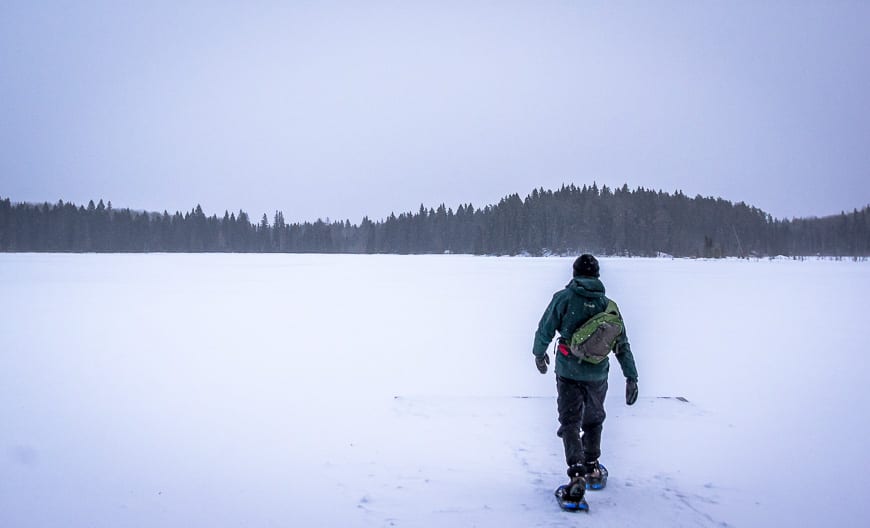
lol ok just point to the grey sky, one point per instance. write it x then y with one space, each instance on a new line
345 109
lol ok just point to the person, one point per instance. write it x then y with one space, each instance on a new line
581 385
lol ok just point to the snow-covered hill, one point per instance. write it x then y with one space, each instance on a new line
313 390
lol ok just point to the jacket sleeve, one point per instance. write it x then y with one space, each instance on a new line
550 321
625 357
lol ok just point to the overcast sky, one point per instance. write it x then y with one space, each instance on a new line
345 109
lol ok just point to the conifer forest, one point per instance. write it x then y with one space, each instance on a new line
569 220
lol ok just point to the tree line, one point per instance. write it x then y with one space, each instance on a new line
572 219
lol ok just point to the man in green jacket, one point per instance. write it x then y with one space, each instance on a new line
581 385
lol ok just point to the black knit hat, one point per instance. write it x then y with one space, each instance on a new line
586 265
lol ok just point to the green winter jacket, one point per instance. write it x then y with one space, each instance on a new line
582 298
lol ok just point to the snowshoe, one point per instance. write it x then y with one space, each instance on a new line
596 476
568 502
570 496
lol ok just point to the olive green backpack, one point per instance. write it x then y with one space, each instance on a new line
597 337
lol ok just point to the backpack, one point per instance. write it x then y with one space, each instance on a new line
597 337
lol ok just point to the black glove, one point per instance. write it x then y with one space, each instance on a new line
541 362
630 391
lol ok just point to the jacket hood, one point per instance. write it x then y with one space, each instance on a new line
590 287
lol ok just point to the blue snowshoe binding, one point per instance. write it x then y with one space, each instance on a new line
570 495
596 476
568 502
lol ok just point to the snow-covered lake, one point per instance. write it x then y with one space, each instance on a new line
316 390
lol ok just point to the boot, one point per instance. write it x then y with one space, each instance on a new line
576 487
596 475
593 470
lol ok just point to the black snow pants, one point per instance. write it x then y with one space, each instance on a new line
581 408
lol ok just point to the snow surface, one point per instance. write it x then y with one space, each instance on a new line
314 390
